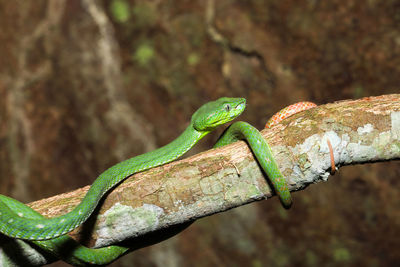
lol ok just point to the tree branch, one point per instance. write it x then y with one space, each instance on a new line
360 131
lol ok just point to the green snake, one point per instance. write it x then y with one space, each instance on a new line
19 221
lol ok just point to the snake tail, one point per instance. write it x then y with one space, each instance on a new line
288 111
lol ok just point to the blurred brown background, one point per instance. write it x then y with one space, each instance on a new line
85 84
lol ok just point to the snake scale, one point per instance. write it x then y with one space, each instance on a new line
20 221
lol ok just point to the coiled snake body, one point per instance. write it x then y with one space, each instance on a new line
19 221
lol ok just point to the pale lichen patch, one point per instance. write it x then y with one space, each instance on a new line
333 138
209 188
122 221
241 191
367 128
308 144
28 254
395 125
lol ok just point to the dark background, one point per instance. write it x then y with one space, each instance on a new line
84 85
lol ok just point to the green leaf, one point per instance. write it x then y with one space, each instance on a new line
144 54
120 10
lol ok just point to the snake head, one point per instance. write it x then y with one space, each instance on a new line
215 113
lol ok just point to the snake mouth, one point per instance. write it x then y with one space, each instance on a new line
240 107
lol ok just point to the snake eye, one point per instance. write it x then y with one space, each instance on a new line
228 107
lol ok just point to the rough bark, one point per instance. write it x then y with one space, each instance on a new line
360 131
